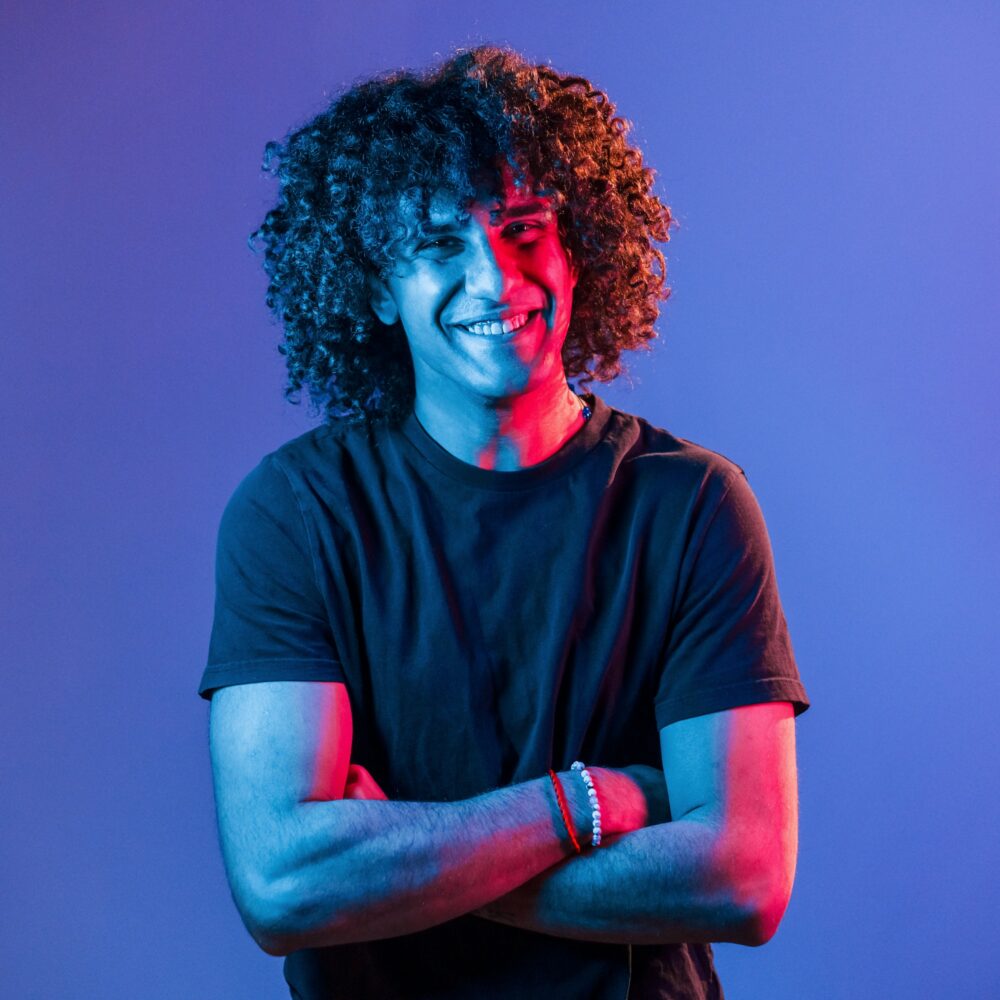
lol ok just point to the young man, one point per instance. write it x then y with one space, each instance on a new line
503 696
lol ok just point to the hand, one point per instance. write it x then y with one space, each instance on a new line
631 797
653 783
361 785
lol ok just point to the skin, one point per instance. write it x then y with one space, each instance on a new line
498 403
733 838
316 853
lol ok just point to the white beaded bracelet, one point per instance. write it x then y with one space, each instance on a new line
595 805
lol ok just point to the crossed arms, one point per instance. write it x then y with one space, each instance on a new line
316 856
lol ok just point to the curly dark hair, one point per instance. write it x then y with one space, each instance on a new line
338 221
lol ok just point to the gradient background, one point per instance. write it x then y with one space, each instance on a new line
833 329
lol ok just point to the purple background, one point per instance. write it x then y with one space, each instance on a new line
833 330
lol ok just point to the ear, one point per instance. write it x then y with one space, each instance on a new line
381 300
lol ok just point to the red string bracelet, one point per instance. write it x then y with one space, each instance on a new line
564 809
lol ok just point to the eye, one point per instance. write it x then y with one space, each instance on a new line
439 244
523 228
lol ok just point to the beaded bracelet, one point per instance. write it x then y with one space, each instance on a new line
595 804
564 810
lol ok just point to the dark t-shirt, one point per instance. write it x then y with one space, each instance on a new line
490 626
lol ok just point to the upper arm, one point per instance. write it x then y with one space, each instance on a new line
735 770
274 744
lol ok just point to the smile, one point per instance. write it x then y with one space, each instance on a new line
497 328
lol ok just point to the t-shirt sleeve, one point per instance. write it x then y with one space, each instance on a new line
728 643
270 622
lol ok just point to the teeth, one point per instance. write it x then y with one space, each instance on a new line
495 328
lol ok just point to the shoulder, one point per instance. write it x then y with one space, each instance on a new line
651 452
324 476
320 446
284 478
326 457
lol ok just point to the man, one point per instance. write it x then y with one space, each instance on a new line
470 578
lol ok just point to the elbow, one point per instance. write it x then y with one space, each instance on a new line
266 923
272 930
763 920
284 919
268 919
760 929
759 893
761 882
271 944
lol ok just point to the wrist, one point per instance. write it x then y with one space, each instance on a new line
595 803
580 806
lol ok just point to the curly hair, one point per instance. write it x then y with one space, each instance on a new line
402 134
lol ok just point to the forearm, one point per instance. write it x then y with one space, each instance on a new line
662 884
362 870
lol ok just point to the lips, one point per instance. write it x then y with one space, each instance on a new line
494 326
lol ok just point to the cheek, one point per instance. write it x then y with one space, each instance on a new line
420 298
558 269
562 284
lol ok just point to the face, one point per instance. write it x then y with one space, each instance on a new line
485 301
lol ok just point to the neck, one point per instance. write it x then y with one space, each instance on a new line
503 434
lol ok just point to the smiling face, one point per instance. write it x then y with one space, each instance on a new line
485 298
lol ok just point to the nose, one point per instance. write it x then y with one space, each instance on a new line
490 272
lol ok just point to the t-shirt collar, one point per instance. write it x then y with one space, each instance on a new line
573 451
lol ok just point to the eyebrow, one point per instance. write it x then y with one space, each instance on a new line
536 207
527 208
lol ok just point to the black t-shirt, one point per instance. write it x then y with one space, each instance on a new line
490 626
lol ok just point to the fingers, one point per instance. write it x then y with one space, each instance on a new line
361 785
